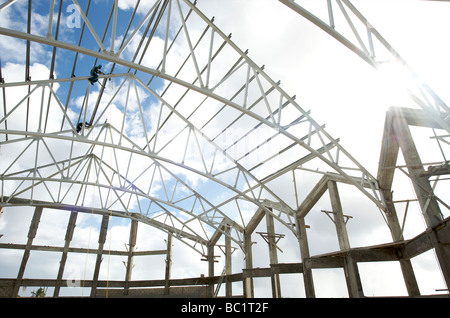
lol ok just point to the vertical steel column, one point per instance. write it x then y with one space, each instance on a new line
26 254
68 238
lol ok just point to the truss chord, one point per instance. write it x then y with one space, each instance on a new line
6 4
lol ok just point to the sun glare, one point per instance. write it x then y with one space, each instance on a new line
396 81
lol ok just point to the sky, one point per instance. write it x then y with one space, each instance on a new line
340 89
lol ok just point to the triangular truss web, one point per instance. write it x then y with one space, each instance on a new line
184 130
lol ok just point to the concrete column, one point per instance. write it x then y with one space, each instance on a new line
304 253
352 277
168 264
26 254
424 192
131 247
422 187
440 239
101 244
68 239
273 256
339 219
397 235
386 170
228 252
248 281
210 259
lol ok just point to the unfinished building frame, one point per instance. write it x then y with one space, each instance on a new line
164 133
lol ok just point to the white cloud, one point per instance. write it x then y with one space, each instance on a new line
144 6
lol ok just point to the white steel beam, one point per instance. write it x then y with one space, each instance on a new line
209 93
6 4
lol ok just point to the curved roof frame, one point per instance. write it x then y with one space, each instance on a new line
94 141
267 114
